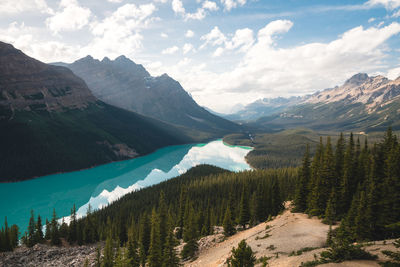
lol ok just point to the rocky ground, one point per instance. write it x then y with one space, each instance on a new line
277 239
46 256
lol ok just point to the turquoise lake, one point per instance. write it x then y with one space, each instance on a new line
103 184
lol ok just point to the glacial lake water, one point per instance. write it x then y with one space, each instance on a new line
103 184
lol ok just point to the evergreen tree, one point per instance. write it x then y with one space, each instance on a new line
330 212
108 258
144 237
302 190
244 214
170 258
242 256
190 235
47 234
55 236
228 225
31 239
163 219
347 183
132 249
155 250
39 232
72 233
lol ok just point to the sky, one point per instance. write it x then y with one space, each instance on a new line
225 53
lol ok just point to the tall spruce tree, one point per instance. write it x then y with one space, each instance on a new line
55 235
228 224
244 213
302 190
155 250
170 257
39 238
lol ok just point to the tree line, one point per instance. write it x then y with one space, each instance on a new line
145 226
356 184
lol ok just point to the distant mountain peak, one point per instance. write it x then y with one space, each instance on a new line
123 58
106 59
357 79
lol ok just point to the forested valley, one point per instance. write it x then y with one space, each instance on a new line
353 184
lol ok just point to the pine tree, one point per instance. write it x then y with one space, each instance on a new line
155 252
190 235
330 212
72 233
170 258
39 232
47 234
163 218
347 184
228 225
242 256
244 214
302 190
315 181
144 238
132 249
31 240
55 236
181 214
108 258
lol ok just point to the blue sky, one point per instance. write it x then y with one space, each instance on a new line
223 52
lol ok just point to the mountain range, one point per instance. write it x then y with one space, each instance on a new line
51 122
362 103
125 84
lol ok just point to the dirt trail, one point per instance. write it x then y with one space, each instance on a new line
277 239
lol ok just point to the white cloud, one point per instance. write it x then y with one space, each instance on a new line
212 6
187 48
70 17
371 20
393 73
214 37
115 1
268 70
388 4
164 35
120 33
161 1
230 4
178 8
189 34
10 7
170 50
242 40
26 39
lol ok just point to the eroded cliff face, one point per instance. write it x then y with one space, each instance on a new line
27 84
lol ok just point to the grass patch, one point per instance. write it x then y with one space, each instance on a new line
300 251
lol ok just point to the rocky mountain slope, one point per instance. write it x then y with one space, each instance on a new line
362 103
264 107
128 85
50 122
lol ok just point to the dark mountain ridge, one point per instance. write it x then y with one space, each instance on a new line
50 122
123 83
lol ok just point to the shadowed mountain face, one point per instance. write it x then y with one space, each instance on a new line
27 84
125 84
50 122
362 103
